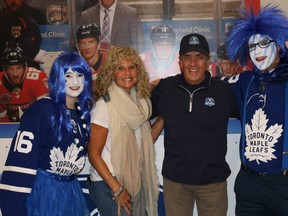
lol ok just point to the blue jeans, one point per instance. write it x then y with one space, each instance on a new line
261 195
101 195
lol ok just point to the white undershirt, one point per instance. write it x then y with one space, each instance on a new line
100 116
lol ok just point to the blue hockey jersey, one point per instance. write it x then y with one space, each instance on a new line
261 100
35 147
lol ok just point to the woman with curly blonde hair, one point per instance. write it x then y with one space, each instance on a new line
123 177
105 78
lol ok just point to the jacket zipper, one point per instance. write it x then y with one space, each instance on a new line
190 96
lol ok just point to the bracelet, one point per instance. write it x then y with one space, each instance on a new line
118 192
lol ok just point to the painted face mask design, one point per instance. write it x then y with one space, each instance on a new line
74 83
262 51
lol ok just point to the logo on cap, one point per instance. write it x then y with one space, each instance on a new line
194 40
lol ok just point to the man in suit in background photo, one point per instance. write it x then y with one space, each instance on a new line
120 24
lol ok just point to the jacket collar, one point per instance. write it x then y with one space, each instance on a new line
207 82
279 74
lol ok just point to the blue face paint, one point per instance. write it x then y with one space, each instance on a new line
262 51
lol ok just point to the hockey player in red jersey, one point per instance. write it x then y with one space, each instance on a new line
20 85
162 61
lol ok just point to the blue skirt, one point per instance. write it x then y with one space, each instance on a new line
56 195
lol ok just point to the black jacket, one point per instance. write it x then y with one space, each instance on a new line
19 28
195 124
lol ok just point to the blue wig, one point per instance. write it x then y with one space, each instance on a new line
269 21
58 92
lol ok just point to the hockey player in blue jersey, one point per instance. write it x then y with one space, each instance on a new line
49 147
261 185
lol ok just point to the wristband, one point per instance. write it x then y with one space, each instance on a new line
118 192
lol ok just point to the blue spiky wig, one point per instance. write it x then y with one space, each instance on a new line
269 21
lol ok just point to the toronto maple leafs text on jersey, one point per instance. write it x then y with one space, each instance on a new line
263 122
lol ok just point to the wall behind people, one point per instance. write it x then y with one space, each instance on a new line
256 4
282 4
63 19
56 11
56 38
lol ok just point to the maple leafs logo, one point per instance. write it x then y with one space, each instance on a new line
66 164
260 140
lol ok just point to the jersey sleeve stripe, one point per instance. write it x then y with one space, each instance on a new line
20 170
15 189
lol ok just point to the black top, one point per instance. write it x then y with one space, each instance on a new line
195 124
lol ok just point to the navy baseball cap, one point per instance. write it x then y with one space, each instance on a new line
194 42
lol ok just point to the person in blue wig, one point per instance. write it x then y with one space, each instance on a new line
261 185
49 147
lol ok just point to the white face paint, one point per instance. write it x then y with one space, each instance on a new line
74 83
262 51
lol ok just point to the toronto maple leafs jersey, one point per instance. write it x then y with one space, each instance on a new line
35 146
261 100
16 99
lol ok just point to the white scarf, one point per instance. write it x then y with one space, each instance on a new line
129 113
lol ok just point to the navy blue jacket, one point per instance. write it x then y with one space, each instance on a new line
195 125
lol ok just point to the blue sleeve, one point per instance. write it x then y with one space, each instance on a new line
23 160
239 84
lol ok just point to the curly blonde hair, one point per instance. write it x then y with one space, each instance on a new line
116 56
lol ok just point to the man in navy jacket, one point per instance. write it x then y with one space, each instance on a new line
194 109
